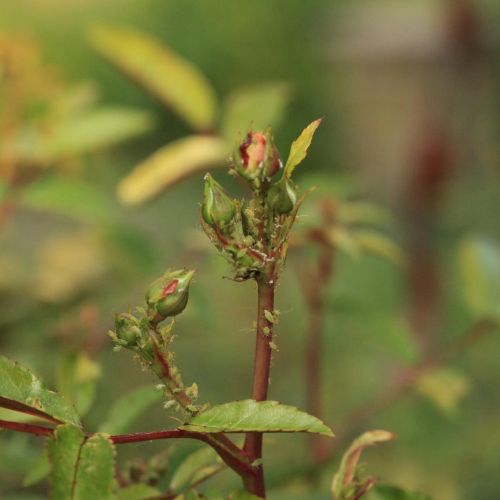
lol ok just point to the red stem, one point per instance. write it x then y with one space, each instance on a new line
37 430
225 450
253 441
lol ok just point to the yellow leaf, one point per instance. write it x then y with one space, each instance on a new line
169 165
342 239
445 388
174 81
479 265
67 265
378 244
300 146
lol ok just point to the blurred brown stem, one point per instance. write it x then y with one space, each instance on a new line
314 282
405 381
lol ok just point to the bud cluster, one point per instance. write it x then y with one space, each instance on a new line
142 333
251 233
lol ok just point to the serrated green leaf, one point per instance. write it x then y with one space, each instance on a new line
21 387
259 416
95 476
445 387
190 466
77 376
386 492
171 164
479 265
128 408
38 470
346 482
94 130
63 450
174 81
138 492
257 107
300 146
69 196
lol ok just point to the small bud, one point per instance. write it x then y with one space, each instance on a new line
257 157
127 329
218 209
168 295
282 198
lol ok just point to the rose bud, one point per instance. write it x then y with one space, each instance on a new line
257 157
282 198
168 295
127 329
218 209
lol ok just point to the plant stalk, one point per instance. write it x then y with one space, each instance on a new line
262 365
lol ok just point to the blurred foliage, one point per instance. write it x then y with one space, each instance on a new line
181 86
57 193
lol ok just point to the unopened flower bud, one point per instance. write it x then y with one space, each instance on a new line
168 295
127 328
257 157
218 209
282 198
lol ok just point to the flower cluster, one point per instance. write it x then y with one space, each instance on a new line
252 233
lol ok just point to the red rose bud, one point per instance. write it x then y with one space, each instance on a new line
168 295
257 157
127 329
218 209
282 198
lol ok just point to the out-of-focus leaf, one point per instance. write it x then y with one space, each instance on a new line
346 482
479 263
23 391
94 130
261 416
174 81
378 244
138 492
38 470
76 379
171 164
386 492
300 146
128 408
75 99
130 250
445 387
243 495
70 197
3 190
343 239
68 265
257 107
191 465
360 212
63 450
95 475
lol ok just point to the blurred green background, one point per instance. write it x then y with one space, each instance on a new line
409 92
